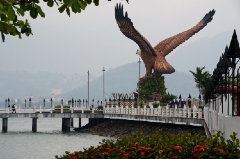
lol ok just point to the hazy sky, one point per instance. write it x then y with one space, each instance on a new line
92 39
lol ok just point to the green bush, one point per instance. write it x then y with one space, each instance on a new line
162 146
99 107
65 107
155 105
150 85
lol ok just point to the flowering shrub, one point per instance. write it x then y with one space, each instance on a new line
162 146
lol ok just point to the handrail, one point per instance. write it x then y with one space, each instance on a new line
164 112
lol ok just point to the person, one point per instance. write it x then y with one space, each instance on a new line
13 108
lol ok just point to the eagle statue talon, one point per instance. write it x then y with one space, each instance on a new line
154 57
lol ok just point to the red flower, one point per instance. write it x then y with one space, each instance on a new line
172 157
125 155
148 149
206 146
74 157
134 144
122 151
177 148
161 151
219 150
108 149
199 148
196 155
100 148
132 148
142 154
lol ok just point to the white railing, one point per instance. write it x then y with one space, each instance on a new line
41 109
160 111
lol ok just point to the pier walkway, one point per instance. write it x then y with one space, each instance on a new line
162 114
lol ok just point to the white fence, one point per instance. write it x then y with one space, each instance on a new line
160 111
41 109
221 119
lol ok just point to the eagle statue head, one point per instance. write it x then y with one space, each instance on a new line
138 52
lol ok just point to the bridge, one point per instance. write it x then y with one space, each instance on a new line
165 114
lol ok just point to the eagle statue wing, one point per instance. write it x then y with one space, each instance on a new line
126 26
167 45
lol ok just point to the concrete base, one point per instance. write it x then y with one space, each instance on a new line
34 124
4 124
71 121
66 124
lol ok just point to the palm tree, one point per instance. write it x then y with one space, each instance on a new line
201 78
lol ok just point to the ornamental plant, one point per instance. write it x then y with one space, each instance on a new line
162 146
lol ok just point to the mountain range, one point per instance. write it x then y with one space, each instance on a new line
123 79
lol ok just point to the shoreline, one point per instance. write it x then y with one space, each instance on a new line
118 128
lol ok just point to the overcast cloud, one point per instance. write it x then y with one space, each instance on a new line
92 39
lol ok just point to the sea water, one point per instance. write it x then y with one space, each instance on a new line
21 143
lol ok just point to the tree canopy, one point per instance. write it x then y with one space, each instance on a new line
201 78
12 10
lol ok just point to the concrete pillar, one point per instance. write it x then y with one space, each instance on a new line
4 124
80 122
34 124
65 124
188 122
71 121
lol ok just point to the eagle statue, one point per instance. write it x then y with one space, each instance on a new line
154 57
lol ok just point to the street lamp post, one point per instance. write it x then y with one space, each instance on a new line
88 87
103 85
30 102
72 103
43 103
8 101
139 61
51 102
62 102
199 97
5 103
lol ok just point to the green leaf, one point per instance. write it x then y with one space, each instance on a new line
68 11
23 7
68 2
96 2
20 11
88 1
33 13
76 8
50 3
29 7
11 13
82 4
3 37
20 23
39 10
62 8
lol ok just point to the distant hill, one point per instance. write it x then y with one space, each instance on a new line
17 84
124 79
